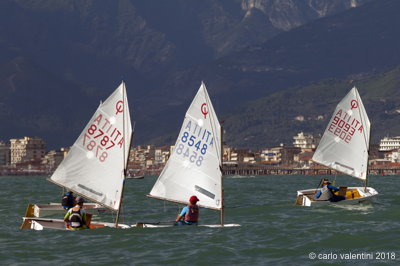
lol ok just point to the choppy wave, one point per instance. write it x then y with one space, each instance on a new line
273 230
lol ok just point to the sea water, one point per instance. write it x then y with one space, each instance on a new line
273 230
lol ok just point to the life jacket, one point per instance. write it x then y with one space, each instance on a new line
326 194
193 213
76 219
67 201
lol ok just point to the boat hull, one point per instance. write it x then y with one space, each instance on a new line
354 195
58 224
46 210
156 225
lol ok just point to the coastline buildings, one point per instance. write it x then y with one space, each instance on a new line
29 150
5 153
388 144
53 158
282 155
306 141
28 156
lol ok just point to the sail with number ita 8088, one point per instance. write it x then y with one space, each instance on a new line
344 145
194 165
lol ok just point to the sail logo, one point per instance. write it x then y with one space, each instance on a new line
353 104
204 110
119 107
344 125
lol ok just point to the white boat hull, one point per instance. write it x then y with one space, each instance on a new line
156 225
59 224
306 197
51 209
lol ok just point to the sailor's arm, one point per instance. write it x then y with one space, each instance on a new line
182 214
178 218
333 188
66 217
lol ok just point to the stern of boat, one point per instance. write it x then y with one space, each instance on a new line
304 197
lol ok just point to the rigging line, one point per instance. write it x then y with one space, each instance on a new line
208 101
362 120
123 214
367 142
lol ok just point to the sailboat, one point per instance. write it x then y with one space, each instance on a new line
95 166
344 148
195 165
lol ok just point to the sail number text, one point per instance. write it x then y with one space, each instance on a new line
342 129
96 141
191 148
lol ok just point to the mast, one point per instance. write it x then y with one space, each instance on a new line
366 174
220 155
124 161
366 143
222 177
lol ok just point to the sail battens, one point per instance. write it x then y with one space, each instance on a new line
344 166
90 190
204 192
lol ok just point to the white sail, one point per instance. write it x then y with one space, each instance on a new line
94 167
344 145
194 166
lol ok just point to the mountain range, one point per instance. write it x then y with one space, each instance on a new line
264 63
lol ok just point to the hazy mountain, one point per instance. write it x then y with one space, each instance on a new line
278 117
73 53
359 42
33 101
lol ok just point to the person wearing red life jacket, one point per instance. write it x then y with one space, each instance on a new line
189 214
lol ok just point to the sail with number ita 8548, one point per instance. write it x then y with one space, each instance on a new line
94 167
194 167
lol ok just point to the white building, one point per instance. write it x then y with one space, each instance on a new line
27 149
161 154
5 153
53 158
272 155
393 156
306 141
388 144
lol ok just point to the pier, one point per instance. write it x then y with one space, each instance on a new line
288 170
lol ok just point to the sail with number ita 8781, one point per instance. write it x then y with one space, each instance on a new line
94 167
345 143
194 167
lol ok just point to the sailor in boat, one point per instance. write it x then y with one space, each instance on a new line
327 192
76 218
189 214
68 200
